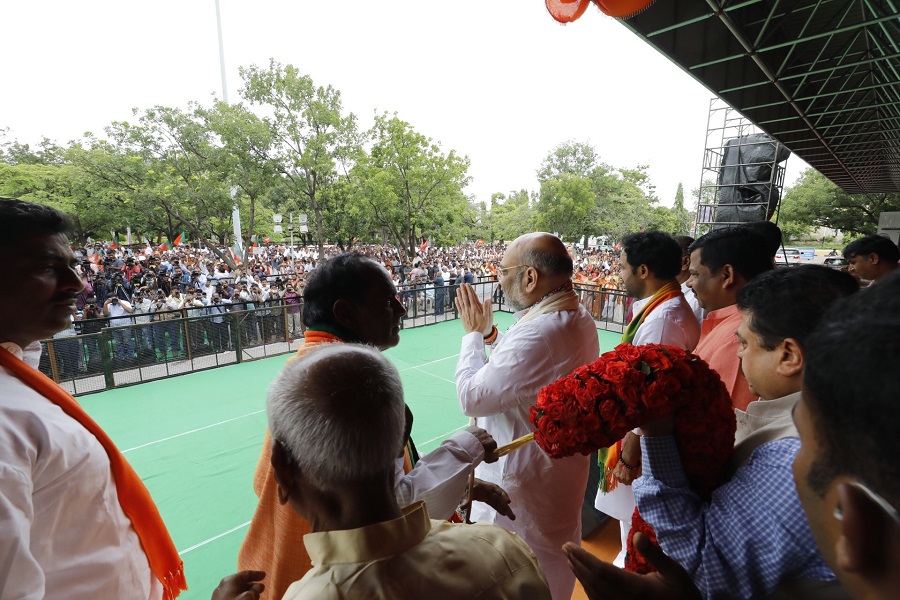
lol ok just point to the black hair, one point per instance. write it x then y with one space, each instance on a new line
769 231
851 383
20 219
789 303
684 241
340 277
873 244
745 250
658 250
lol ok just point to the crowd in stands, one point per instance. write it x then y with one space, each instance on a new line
153 288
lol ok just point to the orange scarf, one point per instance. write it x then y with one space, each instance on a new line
133 496
666 292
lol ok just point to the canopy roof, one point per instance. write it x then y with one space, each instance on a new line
821 76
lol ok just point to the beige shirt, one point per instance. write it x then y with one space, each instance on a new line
414 557
763 421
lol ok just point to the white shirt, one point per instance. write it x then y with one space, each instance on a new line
672 323
546 493
63 533
440 478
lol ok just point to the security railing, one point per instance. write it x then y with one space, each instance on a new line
105 353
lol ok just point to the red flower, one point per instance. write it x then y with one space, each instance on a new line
616 371
597 404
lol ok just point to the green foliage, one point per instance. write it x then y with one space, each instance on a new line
512 215
410 187
312 141
815 201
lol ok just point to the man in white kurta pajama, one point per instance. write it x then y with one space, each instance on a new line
553 336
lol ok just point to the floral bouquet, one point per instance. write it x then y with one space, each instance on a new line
599 403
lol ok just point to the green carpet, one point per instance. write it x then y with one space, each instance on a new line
195 439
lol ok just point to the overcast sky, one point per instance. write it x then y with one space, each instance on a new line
497 80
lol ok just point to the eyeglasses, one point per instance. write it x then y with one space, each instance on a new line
501 271
883 504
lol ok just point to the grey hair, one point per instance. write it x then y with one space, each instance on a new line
339 413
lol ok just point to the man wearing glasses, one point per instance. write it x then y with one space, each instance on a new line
553 336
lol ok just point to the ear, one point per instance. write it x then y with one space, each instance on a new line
859 548
874 258
791 361
344 313
531 279
728 276
284 471
643 272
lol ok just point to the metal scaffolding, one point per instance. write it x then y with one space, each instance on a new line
743 171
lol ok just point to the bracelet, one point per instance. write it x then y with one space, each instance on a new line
492 336
626 465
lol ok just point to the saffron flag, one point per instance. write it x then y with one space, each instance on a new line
115 241
177 241
163 247
424 245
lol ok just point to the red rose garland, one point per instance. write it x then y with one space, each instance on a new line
599 403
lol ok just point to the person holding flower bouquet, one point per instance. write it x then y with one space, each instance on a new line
650 262
553 335
751 538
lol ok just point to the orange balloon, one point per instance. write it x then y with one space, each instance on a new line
621 8
566 11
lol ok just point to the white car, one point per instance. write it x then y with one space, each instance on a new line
788 255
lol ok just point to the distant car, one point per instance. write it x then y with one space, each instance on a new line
836 262
788 255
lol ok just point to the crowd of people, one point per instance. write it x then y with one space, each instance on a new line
347 507
156 289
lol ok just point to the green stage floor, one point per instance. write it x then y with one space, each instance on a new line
195 439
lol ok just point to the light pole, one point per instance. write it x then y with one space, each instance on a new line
235 212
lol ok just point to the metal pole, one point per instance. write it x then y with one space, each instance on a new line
221 52
293 266
235 213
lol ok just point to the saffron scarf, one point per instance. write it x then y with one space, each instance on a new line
610 456
666 292
133 496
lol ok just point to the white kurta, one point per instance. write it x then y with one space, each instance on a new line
441 477
546 493
63 533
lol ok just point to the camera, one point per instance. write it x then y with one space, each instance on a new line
114 301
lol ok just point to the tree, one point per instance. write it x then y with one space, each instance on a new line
814 201
513 215
410 186
565 206
683 217
570 157
161 167
311 137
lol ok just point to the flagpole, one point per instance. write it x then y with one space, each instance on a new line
235 212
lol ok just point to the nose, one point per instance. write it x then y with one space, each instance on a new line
399 309
71 281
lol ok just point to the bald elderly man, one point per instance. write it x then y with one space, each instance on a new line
553 336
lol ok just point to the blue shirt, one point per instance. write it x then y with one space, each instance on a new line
750 536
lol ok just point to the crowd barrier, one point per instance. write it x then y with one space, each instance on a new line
106 353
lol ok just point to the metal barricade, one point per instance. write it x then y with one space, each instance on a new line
117 351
